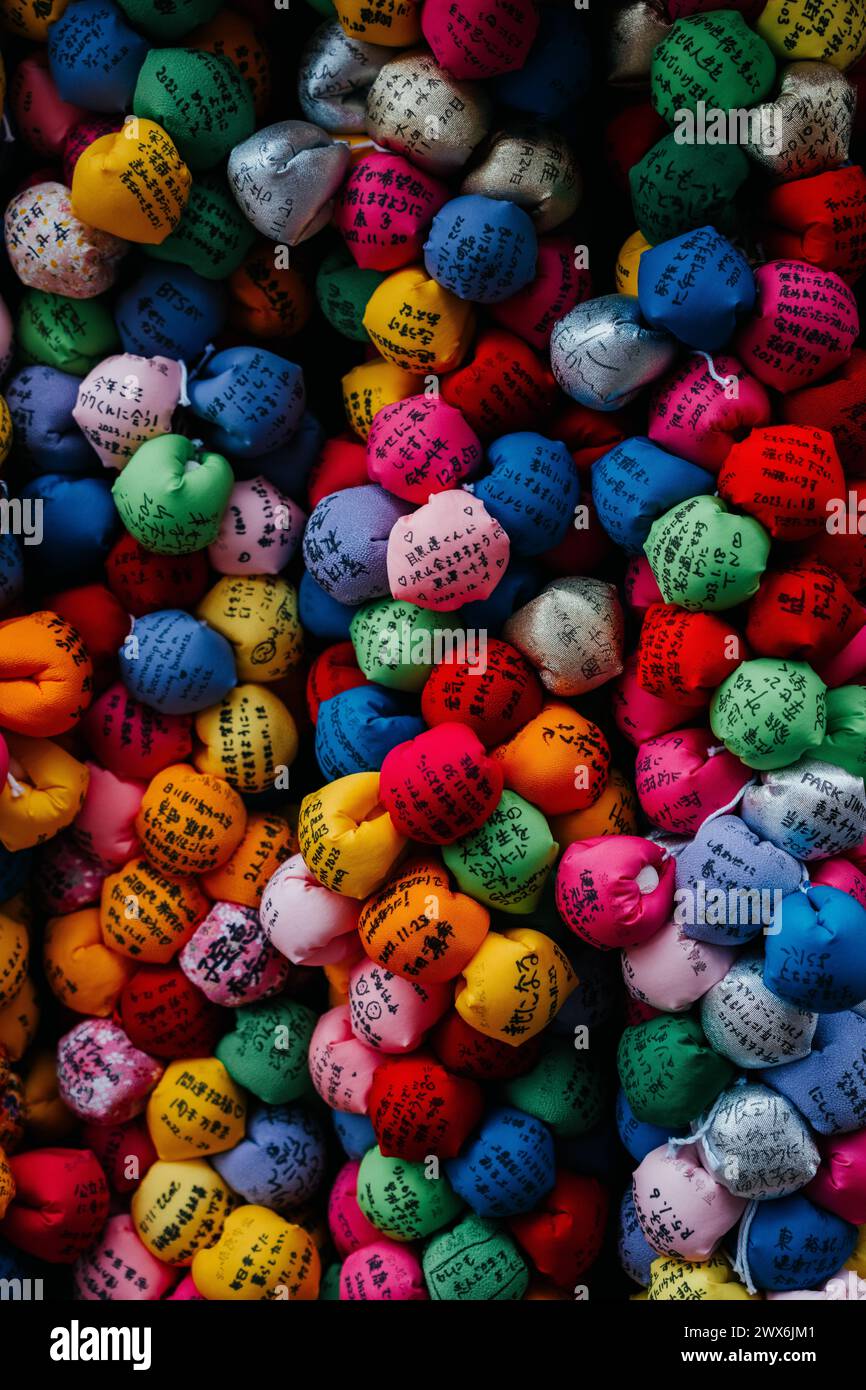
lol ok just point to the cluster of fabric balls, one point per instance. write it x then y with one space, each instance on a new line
432 688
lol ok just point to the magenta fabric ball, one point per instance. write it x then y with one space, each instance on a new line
683 777
694 416
384 208
419 446
382 1272
441 785
615 890
349 1227
801 304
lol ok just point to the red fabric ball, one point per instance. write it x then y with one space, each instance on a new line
144 582
495 702
588 434
504 388
133 740
819 220
60 1204
581 552
844 550
440 785
417 1108
629 136
466 1052
784 475
100 621
334 670
114 1145
555 289
803 613
165 1015
342 463
838 405
683 656
564 1237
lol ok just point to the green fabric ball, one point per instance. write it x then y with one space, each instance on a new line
705 557
769 713
171 499
266 1051
563 1089
714 58
676 188
168 19
212 237
845 742
343 289
200 99
505 864
329 1284
394 642
400 1200
669 1072
476 1262
72 335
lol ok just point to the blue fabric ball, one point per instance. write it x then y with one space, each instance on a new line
12 566
635 483
280 1162
346 542
532 490
520 583
355 1133
175 663
558 70
697 286
321 614
289 466
816 957
95 57
169 311
639 1137
357 728
482 249
829 1086
507 1167
792 1244
252 400
635 1252
723 862
40 401
79 527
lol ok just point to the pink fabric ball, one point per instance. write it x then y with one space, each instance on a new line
230 958
384 208
384 1271
132 739
391 1013
683 777
186 1292
307 923
480 38
841 874
421 445
682 1210
447 553
840 1183
692 415
125 401
640 585
42 118
800 306
50 249
260 531
671 972
349 1227
101 1076
104 828
558 286
341 1067
638 714
138 1278
615 890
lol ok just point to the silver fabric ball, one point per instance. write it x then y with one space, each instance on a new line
633 34
284 179
757 1144
808 127
335 75
417 109
572 632
533 166
603 354
750 1025
811 809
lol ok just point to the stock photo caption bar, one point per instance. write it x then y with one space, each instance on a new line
432 652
